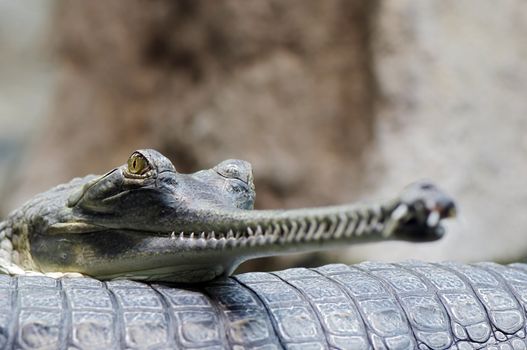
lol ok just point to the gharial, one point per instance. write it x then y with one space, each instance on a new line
145 221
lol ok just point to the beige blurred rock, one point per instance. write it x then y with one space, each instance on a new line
453 78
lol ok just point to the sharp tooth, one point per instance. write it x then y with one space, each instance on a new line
276 232
320 230
312 227
230 234
250 231
202 236
213 235
364 222
173 235
293 231
181 235
353 219
192 235
433 219
343 220
359 230
268 231
301 231
286 233
259 230
399 212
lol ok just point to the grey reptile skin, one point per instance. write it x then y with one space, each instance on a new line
162 246
410 305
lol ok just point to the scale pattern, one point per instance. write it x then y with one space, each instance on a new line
410 305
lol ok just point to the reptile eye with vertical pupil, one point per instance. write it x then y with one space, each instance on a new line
137 164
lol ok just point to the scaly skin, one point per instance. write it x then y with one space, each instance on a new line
146 221
408 305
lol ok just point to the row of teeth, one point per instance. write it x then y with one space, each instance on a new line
313 229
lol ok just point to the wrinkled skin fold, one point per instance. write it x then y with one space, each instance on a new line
146 221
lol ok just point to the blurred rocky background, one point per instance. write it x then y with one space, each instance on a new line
332 101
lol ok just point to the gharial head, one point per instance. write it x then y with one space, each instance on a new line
146 221
148 193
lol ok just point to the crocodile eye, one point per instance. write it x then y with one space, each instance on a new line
137 164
